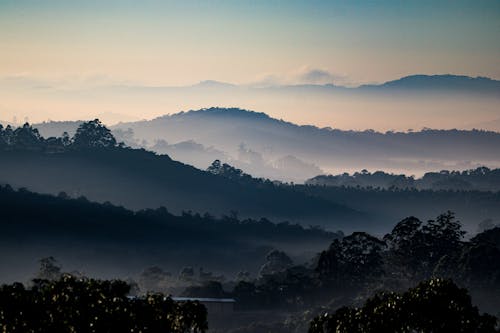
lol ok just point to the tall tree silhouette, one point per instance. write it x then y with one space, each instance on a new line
93 134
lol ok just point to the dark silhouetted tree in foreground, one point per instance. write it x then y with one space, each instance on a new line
435 305
86 305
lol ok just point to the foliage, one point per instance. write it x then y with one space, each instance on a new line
435 305
92 134
86 305
481 178
49 269
227 171
156 235
276 261
357 264
352 261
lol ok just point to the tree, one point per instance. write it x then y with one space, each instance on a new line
72 304
26 138
93 134
152 278
407 255
354 260
442 237
49 269
276 261
436 305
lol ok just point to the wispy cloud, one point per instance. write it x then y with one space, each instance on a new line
304 75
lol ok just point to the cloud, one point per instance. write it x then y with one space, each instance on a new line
320 76
317 76
303 75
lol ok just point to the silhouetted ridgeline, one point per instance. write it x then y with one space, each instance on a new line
474 207
480 179
259 144
113 241
92 164
97 167
225 129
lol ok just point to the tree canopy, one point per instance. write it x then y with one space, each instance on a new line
72 304
436 305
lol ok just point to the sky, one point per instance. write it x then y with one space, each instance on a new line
166 43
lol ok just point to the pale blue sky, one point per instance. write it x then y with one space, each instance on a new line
175 43
61 59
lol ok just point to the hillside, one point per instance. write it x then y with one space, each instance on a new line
110 241
100 170
239 132
479 179
267 147
439 84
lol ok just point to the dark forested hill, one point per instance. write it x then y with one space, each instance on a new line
91 164
138 179
107 240
475 208
481 179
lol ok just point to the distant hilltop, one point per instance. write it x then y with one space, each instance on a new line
440 82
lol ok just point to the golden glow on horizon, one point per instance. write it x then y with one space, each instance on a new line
93 44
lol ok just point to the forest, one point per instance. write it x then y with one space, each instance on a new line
479 179
304 277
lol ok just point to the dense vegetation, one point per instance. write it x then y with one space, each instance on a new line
482 179
434 305
93 165
92 134
110 240
72 304
360 263
387 206
76 228
350 270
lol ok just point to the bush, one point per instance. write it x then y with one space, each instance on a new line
435 305
72 304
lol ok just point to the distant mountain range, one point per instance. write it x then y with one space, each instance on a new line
412 83
416 101
258 144
440 83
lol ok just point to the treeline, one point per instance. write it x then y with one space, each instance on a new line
91 134
360 265
387 206
93 164
479 179
411 252
68 228
435 305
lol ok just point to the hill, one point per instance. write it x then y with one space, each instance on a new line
92 165
439 84
110 241
481 179
255 142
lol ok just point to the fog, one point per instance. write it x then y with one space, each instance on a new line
383 108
